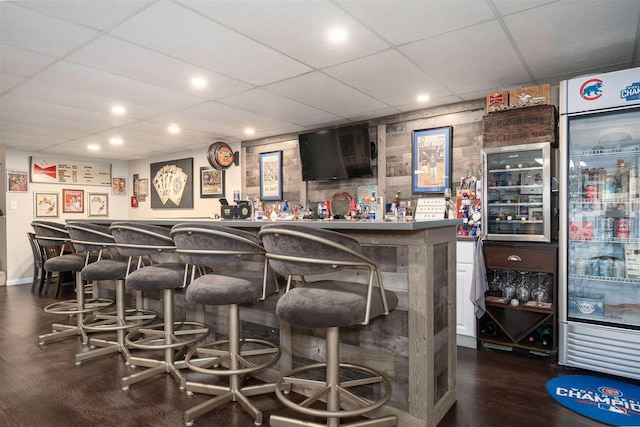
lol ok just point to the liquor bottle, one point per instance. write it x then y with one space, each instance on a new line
622 180
408 212
373 206
633 188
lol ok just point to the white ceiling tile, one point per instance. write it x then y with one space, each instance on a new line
506 7
45 34
137 63
98 14
321 91
388 77
472 67
17 127
403 21
270 104
234 116
302 28
20 62
81 99
63 64
9 81
198 124
168 28
564 33
87 79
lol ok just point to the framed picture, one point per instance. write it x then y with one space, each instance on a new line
45 205
171 184
98 204
271 176
118 186
211 182
432 160
17 181
143 189
73 201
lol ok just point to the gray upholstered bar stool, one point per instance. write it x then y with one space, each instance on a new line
140 242
54 234
215 247
332 301
108 266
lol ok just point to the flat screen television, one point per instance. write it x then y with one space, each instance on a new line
339 153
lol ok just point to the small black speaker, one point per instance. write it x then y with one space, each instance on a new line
226 211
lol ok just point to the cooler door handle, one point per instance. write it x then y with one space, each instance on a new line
514 258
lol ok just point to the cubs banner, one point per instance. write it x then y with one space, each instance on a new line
601 91
606 400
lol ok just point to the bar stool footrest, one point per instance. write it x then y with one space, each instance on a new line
71 307
259 355
320 390
110 321
153 337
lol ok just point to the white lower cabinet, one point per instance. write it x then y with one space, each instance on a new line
466 319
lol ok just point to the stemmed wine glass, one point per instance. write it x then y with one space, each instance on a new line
540 294
508 288
523 290
497 282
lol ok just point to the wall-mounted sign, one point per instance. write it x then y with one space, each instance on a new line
220 155
54 171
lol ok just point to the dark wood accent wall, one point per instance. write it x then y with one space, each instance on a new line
392 168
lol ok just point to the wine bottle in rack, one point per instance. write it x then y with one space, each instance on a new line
546 336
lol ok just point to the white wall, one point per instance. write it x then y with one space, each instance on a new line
202 208
19 260
15 254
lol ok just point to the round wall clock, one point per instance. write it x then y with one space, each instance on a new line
220 155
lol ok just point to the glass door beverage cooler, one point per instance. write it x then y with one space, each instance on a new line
517 192
599 269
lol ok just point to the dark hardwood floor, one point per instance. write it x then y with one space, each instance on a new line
41 386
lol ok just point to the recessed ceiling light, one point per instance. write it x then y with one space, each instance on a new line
173 128
118 110
93 147
198 82
116 141
423 98
337 35
249 131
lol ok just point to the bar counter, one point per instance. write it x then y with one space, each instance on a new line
415 345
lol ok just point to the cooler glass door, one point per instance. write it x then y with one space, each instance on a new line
517 192
603 230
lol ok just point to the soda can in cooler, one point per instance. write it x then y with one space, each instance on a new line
594 267
609 227
606 267
582 267
622 228
619 268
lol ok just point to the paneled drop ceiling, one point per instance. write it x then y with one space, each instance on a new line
270 67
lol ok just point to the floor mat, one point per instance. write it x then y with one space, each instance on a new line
606 400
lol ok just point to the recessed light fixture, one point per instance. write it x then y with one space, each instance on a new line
118 110
423 98
249 131
337 35
198 82
93 147
173 128
116 141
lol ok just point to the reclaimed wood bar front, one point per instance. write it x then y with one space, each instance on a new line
415 346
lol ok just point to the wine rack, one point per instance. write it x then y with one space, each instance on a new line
514 325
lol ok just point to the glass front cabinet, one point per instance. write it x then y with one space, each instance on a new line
517 192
